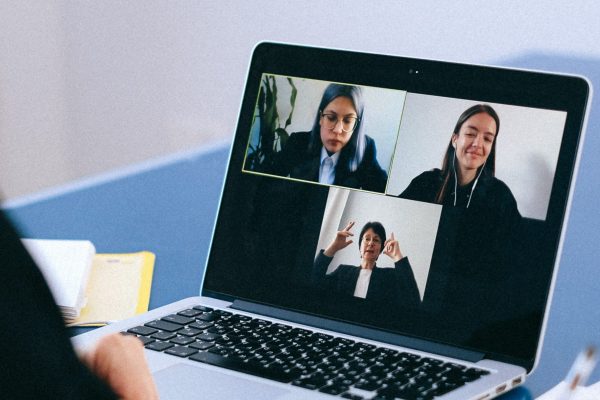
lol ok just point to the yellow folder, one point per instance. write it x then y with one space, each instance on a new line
118 288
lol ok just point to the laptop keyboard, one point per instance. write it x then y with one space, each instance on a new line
312 360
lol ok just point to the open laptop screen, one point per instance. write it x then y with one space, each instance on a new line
417 197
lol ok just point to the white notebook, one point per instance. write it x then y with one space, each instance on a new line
66 266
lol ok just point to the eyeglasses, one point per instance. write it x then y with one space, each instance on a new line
331 121
371 239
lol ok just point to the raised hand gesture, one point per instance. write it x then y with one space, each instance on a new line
341 240
391 248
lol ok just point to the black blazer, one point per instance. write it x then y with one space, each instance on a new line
387 285
480 263
296 161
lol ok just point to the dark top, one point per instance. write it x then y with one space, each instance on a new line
38 360
490 192
390 285
296 161
475 275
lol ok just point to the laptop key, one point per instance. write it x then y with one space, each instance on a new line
159 346
163 335
178 319
202 345
333 389
475 373
368 385
249 367
190 312
221 330
181 351
209 337
189 332
310 383
182 340
202 308
142 330
351 396
208 317
164 325
223 312
221 351
145 340
200 325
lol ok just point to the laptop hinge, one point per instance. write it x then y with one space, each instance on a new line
360 331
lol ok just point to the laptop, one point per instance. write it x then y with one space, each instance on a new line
388 228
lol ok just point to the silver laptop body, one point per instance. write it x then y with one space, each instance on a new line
473 310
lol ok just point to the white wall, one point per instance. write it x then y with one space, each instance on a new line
89 86
34 141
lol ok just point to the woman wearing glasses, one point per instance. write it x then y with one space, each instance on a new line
335 151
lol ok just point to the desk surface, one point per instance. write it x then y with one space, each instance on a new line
170 208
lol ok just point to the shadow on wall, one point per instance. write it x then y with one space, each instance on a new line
541 171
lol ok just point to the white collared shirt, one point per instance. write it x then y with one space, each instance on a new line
362 283
327 166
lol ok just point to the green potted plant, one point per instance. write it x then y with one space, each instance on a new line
272 136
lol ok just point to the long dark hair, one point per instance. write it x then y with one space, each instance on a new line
448 162
352 153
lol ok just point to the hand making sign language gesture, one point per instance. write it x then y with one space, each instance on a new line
341 240
391 248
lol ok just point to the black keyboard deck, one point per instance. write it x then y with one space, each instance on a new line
312 360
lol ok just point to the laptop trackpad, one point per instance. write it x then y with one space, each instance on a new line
183 381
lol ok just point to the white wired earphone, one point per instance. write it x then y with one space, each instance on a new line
456 179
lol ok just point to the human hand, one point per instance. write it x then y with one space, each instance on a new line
119 361
391 248
340 241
